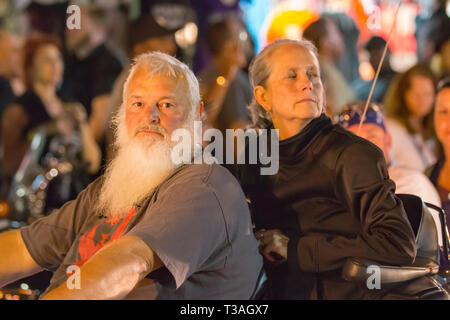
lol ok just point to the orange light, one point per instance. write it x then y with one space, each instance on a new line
290 24
221 80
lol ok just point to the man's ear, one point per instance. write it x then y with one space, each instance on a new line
260 95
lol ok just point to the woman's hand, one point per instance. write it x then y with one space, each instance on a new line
273 244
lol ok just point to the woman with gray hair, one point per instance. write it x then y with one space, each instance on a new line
331 199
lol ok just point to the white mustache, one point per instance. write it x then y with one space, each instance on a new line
154 128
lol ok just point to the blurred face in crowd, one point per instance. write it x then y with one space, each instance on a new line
294 91
334 43
374 134
420 95
442 117
10 55
165 44
445 55
47 66
236 49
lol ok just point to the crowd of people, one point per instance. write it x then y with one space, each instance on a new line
111 117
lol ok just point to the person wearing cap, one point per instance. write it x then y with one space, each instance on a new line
373 128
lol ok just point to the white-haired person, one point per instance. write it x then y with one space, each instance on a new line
331 198
149 228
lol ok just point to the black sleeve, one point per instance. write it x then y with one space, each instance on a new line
363 186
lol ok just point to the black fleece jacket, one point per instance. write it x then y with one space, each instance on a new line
333 198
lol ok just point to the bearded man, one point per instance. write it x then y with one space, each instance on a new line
149 228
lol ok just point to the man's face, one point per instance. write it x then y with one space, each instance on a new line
294 91
374 134
154 107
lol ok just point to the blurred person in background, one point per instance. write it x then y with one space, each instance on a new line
409 109
91 68
225 88
10 70
439 173
441 60
375 47
325 35
373 129
41 103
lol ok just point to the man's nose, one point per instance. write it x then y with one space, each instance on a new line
154 114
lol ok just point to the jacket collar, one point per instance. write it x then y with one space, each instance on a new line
295 146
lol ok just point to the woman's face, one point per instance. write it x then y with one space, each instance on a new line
294 91
47 65
442 117
419 97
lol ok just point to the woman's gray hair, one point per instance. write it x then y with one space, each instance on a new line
160 63
259 72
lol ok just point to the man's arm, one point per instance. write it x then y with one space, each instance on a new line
112 272
16 262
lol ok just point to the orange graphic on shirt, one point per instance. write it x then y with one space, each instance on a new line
87 247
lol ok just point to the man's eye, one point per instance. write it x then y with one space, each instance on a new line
165 105
138 104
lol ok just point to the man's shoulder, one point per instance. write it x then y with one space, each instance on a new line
200 173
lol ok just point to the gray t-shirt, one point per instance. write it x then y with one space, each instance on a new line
197 221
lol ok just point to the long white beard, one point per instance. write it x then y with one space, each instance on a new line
138 168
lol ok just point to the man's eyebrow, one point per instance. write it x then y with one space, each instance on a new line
168 97
135 96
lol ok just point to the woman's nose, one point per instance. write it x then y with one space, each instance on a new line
305 82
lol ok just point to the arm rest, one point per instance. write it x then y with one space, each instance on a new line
357 270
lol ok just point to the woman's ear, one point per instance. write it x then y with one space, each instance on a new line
260 95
